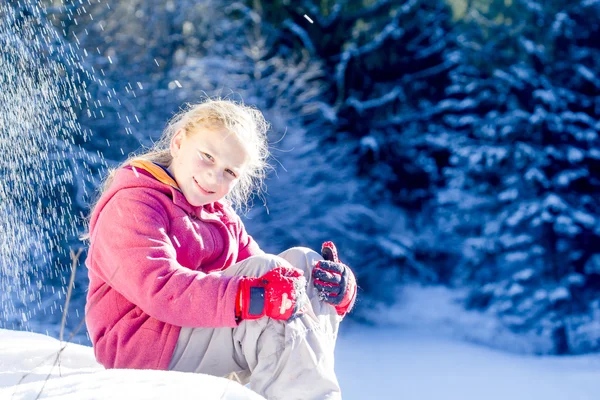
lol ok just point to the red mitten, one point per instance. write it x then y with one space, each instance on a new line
278 294
334 280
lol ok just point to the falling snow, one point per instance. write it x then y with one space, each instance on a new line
46 173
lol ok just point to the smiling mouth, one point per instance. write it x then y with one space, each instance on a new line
201 188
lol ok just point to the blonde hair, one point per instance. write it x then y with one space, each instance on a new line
247 123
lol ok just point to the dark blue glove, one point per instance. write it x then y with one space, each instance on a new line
334 281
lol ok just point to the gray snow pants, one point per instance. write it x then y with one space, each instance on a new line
281 360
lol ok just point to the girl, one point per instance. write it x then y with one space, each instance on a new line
176 282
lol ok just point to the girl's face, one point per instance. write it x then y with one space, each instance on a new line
206 163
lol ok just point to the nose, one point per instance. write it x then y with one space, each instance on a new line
214 179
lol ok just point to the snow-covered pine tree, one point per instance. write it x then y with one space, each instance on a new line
384 64
524 181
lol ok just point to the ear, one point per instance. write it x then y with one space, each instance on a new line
176 142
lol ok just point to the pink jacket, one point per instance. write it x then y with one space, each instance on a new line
150 265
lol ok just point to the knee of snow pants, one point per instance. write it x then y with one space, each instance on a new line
285 360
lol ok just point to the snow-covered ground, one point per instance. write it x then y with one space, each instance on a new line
407 365
372 363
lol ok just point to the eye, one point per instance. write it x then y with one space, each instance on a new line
206 156
230 172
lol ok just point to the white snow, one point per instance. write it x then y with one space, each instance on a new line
593 264
27 359
390 364
372 363
560 293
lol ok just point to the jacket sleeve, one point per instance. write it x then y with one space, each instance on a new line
248 246
132 251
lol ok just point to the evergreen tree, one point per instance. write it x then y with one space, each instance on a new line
384 64
524 182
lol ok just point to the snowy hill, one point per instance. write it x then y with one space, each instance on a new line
371 364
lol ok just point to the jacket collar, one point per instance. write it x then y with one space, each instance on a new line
208 211
158 172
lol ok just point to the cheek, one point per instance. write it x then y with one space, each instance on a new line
193 169
228 186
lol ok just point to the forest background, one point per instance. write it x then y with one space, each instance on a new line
439 143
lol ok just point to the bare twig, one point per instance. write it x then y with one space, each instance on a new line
74 261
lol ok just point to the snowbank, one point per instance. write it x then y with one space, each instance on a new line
27 367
